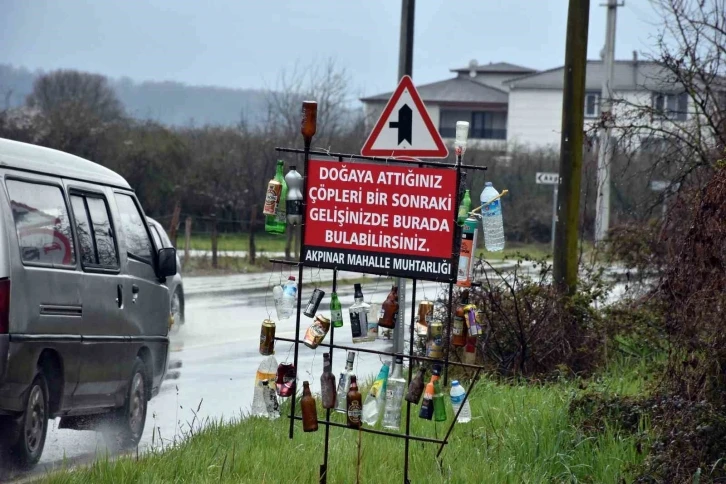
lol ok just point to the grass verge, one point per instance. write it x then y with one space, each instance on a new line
519 433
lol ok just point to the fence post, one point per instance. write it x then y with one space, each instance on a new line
175 223
214 240
187 239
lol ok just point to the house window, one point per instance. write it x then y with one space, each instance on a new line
592 104
482 124
671 106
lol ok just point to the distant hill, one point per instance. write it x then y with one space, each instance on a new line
170 103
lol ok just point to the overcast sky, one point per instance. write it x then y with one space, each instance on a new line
246 43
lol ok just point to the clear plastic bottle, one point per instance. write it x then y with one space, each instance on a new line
492 219
273 407
394 396
266 371
376 398
294 200
457 396
289 297
277 296
344 384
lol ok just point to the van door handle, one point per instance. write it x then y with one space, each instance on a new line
120 295
135 292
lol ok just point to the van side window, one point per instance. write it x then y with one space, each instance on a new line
42 224
98 244
156 236
138 244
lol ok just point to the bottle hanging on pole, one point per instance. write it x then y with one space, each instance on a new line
309 410
467 253
276 222
294 201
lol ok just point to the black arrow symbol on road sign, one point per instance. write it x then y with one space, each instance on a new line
404 124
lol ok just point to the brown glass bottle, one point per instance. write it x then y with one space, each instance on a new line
309 410
327 383
458 330
389 308
415 389
354 404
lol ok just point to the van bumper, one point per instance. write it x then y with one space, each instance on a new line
11 400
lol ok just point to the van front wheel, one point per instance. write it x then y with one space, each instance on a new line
130 419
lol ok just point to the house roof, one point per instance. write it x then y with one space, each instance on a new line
628 75
25 156
456 90
495 67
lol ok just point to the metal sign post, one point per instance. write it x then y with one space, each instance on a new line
544 178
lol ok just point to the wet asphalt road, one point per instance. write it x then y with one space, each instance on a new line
218 347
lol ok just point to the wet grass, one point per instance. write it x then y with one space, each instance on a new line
519 433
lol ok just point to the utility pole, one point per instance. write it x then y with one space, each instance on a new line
571 150
405 68
605 148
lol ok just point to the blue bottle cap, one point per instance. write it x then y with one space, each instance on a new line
454 383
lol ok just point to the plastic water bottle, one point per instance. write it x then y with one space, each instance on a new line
277 296
376 399
266 371
289 297
491 215
457 396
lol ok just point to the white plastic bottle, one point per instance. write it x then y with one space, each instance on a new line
266 371
491 215
277 296
457 396
289 297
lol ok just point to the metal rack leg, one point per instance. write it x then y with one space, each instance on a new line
448 333
324 467
297 337
410 373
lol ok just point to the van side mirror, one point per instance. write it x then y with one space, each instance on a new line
167 262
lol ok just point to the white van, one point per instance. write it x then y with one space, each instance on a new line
84 312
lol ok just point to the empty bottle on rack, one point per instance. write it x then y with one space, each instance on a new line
359 312
458 329
266 371
327 383
464 208
427 406
277 293
389 309
309 410
344 384
294 196
457 396
416 387
491 214
289 297
277 223
354 409
394 396
470 351
336 311
376 398
439 402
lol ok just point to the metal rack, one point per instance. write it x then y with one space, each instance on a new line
450 279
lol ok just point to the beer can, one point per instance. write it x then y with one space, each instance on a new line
267 338
272 197
436 344
316 332
425 312
285 381
314 302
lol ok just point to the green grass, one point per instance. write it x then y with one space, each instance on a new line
520 433
240 241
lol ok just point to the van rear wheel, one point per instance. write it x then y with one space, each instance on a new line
31 428
130 420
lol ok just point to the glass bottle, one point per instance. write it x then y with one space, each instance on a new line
394 396
336 311
389 308
416 387
344 384
427 406
327 383
294 201
439 401
464 208
277 223
309 410
376 398
470 351
354 408
458 331
359 316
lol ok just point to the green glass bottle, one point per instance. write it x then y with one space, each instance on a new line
276 224
336 311
464 208
439 401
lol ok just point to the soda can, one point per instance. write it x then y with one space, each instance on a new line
436 344
272 197
285 381
267 338
314 302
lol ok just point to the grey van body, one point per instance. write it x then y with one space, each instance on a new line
86 299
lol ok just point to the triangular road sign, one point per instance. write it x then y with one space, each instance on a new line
405 128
